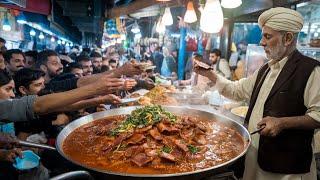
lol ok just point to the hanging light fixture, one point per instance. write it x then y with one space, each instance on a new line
135 28
190 16
59 41
231 3
52 39
167 17
41 36
160 27
32 32
21 19
63 42
6 24
211 20
138 36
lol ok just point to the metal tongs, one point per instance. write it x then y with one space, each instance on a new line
35 145
258 130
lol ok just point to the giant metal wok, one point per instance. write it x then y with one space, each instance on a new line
178 110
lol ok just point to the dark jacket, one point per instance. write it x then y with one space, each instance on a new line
157 61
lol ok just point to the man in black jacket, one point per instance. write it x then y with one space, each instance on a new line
284 100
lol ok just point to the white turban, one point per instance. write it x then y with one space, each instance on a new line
281 19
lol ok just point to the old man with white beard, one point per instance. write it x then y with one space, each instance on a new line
283 97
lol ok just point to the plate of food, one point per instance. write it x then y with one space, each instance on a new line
129 100
139 93
240 111
202 64
146 66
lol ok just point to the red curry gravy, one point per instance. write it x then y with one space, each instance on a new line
189 145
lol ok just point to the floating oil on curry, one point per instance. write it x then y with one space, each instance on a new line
153 141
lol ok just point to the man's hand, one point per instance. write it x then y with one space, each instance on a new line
109 99
205 72
129 84
10 155
108 85
129 69
149 83
273 126
62 119
7 141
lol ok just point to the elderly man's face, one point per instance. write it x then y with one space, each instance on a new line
273 43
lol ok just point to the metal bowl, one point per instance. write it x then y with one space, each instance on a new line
176 110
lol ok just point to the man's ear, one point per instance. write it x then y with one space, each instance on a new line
22 90
288 38
43 68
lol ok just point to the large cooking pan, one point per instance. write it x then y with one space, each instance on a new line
178 110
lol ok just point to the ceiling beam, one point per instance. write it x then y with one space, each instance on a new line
137 5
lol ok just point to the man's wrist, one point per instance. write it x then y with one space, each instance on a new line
284 123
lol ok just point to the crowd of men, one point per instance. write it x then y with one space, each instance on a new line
41 92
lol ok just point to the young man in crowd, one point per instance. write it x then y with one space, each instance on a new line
96 59
113 64
105 61
86 64
6 85
28 108
15 60
31 57
74 68
3 45
29 81
49 62
2 61
221 66
6 93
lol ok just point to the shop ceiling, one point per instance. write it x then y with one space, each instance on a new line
89 15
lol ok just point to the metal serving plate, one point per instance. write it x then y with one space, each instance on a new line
176 110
